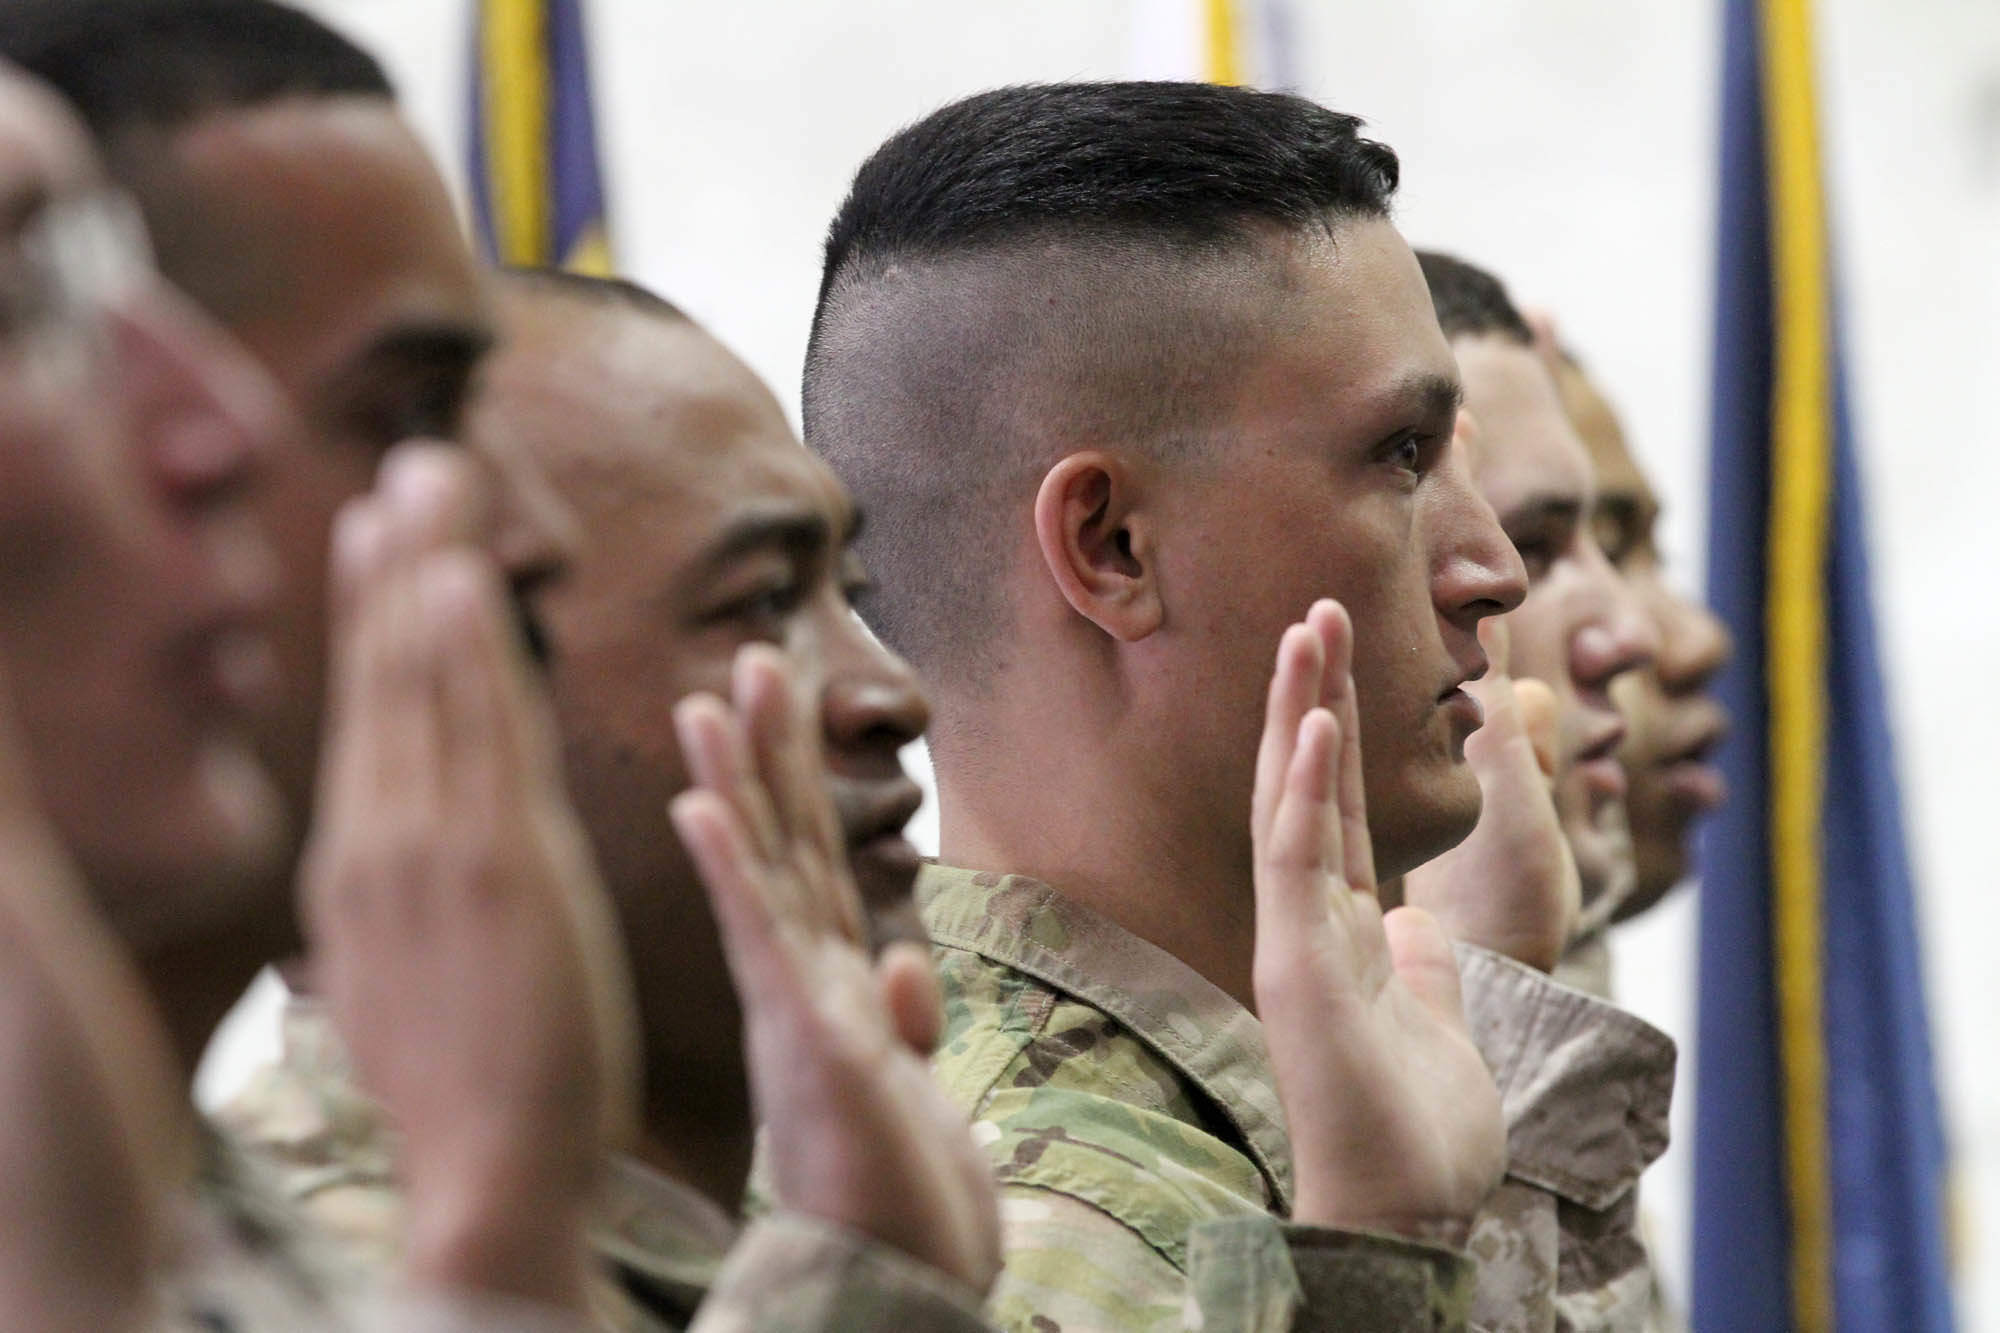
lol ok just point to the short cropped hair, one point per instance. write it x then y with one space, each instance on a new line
1034 269
1470 301
161 64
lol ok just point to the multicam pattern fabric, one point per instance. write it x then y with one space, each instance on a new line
673 1260
249 1263
1585 1089
1128 1107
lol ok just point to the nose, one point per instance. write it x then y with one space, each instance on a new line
872 705
206 413
1618 636
1475 570
1694 645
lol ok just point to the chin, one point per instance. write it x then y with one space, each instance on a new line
1423 820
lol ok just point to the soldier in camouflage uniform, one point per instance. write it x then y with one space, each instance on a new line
636 371
290 195
1126 375
709 528
133 430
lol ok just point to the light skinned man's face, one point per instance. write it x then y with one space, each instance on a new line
1338 476
134 579
1674 723
1580 627
708 527
318 231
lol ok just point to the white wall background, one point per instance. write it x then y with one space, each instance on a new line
1566 143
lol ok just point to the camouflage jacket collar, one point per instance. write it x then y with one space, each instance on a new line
1188 1021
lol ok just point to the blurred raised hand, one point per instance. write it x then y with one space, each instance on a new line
457 927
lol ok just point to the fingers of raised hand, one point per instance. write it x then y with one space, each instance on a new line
718 758
784 741
1295 684
1536 703
712 830
1336 631
908 983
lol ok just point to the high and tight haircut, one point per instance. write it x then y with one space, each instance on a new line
1471 302
592 290
161 64
1155 197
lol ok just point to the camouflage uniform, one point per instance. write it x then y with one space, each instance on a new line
248 1263
1130 1113
1584 1087
668 1250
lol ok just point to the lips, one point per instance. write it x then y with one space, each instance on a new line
885 864
1596 761
231 669
1684 770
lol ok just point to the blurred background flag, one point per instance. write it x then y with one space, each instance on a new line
537 193
1249 42
1819 1148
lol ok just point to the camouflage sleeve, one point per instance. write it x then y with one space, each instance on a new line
1260 1275
794 1274
1072 1268
1585 1088
441 1312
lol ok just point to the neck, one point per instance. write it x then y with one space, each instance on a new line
1129 838
706 1138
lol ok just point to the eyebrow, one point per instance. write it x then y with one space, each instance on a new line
1438 395
455 345
792 532
1548 505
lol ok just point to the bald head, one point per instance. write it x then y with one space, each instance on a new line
1038 270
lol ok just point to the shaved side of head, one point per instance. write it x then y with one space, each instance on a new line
1043 269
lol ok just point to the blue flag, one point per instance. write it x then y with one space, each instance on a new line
537 194
1819 1151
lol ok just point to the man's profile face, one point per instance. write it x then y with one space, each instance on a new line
134 582
709 527
318 232
1338 476
1674 723
1579 627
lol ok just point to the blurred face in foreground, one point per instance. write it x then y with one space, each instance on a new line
317 230
708 527
134 581
1580 627
1674 723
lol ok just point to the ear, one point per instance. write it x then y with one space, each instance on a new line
1098 544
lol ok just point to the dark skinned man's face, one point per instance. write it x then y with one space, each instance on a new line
1674 722
1580 627
708 527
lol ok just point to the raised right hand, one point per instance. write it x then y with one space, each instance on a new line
859 1132
458 930
1395 1123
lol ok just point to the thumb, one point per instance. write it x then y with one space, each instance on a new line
908 985
1424 963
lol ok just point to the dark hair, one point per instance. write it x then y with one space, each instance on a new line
1039 264
1470 301
1178 164
128 64
589 289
